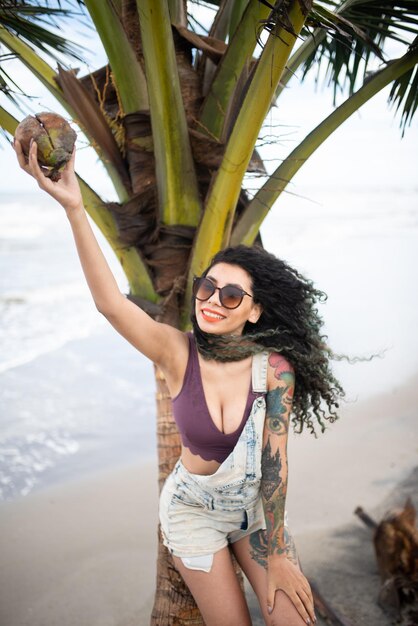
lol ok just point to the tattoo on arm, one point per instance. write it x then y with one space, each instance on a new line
274 514
278 407
270 471
274 458
282 370
291 551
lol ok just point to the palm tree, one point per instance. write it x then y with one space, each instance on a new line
175 117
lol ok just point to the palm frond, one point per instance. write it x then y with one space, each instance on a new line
91 117
356 32
404 95
32 23
36 25
279 16
7 85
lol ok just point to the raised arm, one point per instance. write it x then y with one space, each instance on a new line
159 342
282 573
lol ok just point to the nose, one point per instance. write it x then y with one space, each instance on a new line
214 298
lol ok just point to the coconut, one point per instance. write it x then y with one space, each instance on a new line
54 137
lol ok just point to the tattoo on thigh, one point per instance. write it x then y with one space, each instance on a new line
258 543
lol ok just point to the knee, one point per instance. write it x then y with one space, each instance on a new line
284 612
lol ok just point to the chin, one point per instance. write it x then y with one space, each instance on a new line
211 329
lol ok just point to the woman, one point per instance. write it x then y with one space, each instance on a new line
233 387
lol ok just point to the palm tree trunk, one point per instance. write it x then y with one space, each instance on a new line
173 603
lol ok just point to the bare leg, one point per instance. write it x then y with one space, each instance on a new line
217 593
251 554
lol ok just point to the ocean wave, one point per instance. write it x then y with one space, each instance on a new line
23 460
41 320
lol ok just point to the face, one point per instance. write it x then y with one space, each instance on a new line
215 318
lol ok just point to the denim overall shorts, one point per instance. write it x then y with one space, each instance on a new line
200 515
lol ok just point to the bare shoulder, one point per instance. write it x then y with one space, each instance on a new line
280 372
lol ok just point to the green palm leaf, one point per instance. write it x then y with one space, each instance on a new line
404 94
356 31
33 23
36 25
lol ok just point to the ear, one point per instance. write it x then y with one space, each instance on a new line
255 313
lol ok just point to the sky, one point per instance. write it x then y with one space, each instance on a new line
366 152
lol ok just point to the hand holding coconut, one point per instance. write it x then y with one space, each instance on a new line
44 145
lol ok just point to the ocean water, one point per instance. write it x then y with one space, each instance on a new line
74 396
43 301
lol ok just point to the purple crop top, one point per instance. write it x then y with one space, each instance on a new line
197 429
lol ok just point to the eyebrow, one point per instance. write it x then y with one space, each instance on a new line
213 279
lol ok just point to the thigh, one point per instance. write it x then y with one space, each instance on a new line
251 554
217 593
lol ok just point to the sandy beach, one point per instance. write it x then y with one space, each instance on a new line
83 553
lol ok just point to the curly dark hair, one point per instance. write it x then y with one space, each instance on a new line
289 324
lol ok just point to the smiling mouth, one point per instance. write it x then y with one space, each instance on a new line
212 316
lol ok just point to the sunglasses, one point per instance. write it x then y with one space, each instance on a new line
230 296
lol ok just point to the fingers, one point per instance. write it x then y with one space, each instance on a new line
35 168
311 604
20 156
300 600
308 605
307 597
300 607
303 590
29 163
68 173
33 159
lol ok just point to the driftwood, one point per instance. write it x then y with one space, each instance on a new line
325 610
395 541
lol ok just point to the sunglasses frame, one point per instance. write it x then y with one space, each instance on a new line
196 281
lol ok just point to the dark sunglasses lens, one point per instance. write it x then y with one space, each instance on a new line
203 289
231 297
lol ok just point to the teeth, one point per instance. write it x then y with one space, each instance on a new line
214 315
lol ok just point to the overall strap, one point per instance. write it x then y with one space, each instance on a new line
259 372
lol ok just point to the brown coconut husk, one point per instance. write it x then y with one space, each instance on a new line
54 137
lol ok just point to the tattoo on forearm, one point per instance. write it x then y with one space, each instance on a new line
270 471
291 551
274 514
274 465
